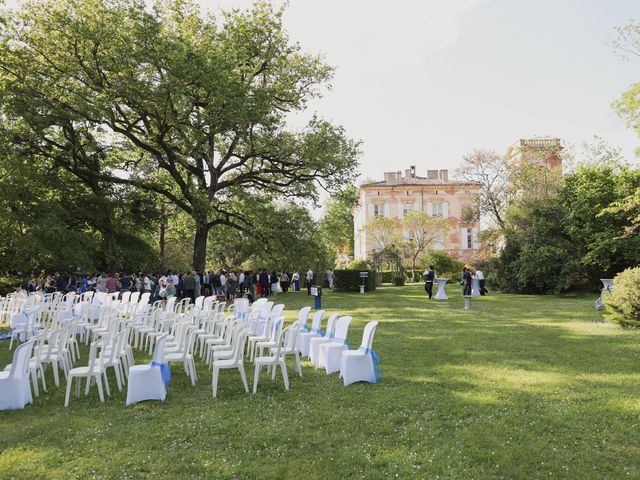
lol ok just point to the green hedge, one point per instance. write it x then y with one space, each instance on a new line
349 280
623 303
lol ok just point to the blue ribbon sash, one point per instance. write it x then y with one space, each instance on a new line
376 361
165 371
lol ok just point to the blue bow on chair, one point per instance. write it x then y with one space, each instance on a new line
376 361
242 315
318 331
165 371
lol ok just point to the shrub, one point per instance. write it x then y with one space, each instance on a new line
623 303
359 264
443 264
8 285
349 280
398 280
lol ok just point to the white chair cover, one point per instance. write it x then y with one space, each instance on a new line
331 352
360 365
304 338
314 343
145 381
15 390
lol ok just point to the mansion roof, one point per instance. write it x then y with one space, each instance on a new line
418 181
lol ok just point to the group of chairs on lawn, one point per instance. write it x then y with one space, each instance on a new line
51 327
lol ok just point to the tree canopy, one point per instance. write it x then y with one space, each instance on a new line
169 101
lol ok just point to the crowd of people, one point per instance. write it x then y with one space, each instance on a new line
225 283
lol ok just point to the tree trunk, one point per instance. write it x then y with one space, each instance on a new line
109 256
200 247
163 228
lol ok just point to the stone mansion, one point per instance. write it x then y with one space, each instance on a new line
434 194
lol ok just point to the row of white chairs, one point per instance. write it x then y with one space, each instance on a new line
225 336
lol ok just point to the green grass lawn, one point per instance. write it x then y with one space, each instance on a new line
520 387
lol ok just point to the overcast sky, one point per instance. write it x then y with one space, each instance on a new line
425 82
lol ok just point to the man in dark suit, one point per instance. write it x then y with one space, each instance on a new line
466 281
429 276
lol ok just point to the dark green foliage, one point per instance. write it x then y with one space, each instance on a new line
443 264
570 238
398 280
350 281
623 303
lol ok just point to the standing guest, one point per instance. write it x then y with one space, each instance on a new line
205 284
198 285
429 275
125 283
101 285
330 278
284 282
480 276
309 279
111 284
189 286
71 284
274 282
466 281
60 282
241 278
232 285
296 281
146 284
138 282
264 283
223 283
84 285
171 289
256 280
180 291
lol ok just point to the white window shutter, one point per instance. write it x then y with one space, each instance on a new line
445 209
370 216
400 207
430 209
385 210
463 238
474 237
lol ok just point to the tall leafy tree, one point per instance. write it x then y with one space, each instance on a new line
423 232
115 93
336 224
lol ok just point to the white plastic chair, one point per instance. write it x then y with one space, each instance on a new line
286 340
35 365
304 338
360 365
314 344
185 355
93 371
303 318
223 359
15 391
331 352
145 381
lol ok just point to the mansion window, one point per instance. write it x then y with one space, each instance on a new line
406 209
438 210
376 210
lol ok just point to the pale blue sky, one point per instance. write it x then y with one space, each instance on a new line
424 82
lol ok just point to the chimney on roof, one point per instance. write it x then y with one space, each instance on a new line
413 171
389 176
444 176
432 174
